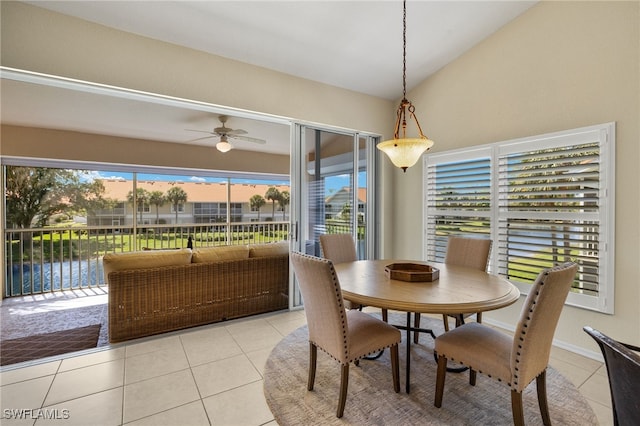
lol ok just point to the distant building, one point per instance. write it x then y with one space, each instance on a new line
334 204
206 203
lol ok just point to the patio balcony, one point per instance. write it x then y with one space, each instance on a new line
57 259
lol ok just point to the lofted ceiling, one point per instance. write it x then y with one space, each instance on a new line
367 35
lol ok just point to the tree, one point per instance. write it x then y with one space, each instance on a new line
141 198
284 200
156 198
272 195
345 213
176 197
37 193
256 202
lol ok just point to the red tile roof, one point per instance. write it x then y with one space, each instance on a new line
196 191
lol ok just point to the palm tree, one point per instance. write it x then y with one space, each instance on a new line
141 198
256 202
156 198
272 195
284 200
176 196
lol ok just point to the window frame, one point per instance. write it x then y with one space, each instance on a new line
180 208
603 134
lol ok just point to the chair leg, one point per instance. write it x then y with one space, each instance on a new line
416 324
478 316
395 368
472 377
516 408
445 321
313 356
385 315
344 384
440 376
541 387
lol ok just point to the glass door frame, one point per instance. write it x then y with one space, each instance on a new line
299 212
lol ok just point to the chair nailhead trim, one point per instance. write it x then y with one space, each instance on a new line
523 333
336 287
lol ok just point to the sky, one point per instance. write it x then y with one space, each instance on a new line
109 175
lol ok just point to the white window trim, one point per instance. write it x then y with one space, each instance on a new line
605 134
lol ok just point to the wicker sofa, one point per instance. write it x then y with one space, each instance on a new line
152 292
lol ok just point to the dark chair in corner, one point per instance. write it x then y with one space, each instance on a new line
340 248
463 251
346 335
513 360
623 368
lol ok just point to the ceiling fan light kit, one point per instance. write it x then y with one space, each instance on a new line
405 151
224 145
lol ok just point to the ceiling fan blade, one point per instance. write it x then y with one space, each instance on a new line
236 132
200 131
228 131
202 138
248 139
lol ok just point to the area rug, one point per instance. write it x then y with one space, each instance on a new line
49 344
372 401
26 318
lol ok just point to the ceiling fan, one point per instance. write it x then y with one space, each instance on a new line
225 133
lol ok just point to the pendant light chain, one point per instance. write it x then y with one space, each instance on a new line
404 50
405 151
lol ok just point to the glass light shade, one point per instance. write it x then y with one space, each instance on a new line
405 152
224 146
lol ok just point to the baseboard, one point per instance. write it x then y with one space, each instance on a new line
558 343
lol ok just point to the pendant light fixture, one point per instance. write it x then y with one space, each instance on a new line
405 151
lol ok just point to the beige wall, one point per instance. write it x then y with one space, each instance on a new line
561 65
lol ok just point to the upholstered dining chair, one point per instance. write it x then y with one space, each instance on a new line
623 369
514 360
463 251
346 335
341 248
338 247
472 253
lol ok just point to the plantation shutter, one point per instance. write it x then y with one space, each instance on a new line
543 200
458 199
550 208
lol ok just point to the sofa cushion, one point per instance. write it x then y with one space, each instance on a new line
271 249
112 262
216 254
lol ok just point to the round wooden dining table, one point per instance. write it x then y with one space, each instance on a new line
457 289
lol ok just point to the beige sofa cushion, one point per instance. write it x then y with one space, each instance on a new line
112 262
216 254
271 249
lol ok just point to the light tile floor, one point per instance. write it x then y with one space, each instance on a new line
211 375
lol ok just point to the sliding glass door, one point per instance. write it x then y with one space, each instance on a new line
333 190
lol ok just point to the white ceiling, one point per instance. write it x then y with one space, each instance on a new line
366 35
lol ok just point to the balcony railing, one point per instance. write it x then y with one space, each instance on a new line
115 211
46 260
